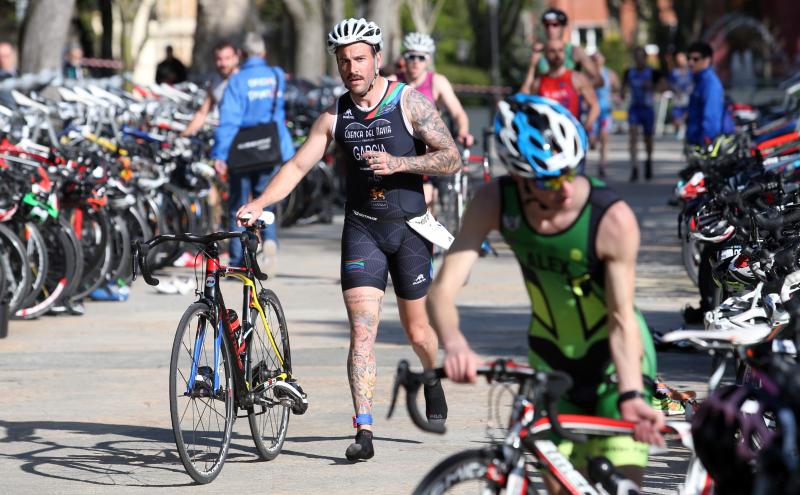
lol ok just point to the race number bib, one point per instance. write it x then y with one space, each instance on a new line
430 228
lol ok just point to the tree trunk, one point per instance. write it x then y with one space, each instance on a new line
107 39
44 34
424 14
333 14
386 14
218 21
310 51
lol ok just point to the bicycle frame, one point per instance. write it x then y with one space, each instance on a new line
212 296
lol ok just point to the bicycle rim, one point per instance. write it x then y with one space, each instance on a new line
268 418
202 417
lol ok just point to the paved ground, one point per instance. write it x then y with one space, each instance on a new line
84 403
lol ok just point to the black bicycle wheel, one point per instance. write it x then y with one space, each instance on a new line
62 261
269 418
35 247
120 249
5 297
447 213
691 254
464 473
203 414
74 245
95 242
138 230
16 265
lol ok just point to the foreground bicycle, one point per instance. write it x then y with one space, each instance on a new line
221 363
502 466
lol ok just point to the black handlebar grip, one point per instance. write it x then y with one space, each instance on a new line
144 249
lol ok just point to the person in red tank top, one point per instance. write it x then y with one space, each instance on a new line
565 86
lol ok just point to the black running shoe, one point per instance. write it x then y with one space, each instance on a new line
435 402
693 316
361 449
634 174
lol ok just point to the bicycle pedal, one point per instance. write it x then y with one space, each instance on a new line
291 390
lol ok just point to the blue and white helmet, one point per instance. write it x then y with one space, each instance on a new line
538 137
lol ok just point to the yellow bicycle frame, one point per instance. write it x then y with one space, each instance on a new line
255 303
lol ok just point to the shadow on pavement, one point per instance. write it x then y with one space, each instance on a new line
143 456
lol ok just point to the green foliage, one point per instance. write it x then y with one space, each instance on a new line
467 22
464 74
617 56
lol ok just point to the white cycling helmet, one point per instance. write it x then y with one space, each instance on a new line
418 42
351 31
539 139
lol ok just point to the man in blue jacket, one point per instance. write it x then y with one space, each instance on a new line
706 120
247 102
706 114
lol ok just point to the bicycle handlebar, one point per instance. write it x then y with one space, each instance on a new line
551 385
247 237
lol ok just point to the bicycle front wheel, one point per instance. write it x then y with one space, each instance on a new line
465 473
201 401
269 359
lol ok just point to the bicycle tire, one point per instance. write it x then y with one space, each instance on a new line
4 297
17 268
62 267
120 249
138 230
202 453
469 467
267 411
37 258
690 253
95 242
75 245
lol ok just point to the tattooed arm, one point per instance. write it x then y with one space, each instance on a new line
442 156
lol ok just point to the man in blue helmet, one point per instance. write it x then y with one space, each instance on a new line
576 242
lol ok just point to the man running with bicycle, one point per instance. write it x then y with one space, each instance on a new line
384 128
576 242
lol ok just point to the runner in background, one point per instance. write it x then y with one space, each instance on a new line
641 80
605 93
566 86
555 23
417 72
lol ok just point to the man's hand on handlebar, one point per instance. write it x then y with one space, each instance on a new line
248 214
461 364
649 421
465 139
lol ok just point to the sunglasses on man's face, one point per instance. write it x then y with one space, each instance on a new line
415 56
555 183
552 24
695 58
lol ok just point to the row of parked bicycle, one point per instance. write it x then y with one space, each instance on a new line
87 169
740 230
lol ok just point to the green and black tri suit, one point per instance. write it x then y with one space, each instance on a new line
565 282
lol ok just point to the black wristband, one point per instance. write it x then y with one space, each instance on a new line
630 394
